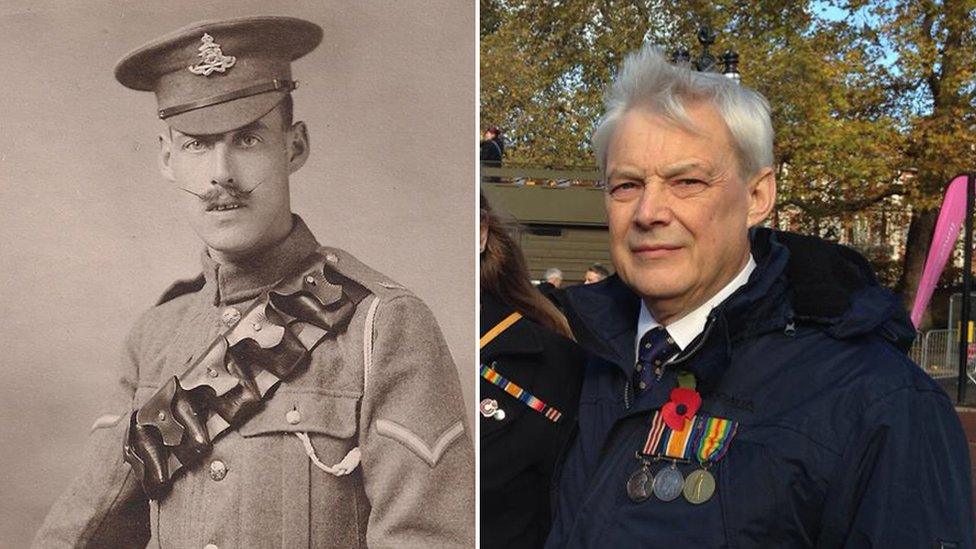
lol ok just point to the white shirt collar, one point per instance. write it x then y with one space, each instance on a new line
686 329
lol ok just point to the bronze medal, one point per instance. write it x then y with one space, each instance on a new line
699 487
638 485
668 483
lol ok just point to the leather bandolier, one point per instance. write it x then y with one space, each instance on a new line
225 386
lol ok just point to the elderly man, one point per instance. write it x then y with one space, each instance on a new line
747 388
290 396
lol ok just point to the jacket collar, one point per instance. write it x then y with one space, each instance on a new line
604 315
233 282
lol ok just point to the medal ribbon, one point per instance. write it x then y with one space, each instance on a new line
654 434
675 444
713 441
704 437
493 377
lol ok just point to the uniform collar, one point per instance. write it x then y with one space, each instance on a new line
236 281
686 329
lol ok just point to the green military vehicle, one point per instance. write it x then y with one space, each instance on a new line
561 214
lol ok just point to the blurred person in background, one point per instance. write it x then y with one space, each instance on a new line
595 273
525 348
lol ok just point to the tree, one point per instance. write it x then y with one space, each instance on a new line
934 82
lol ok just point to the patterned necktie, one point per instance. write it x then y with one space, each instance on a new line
655 349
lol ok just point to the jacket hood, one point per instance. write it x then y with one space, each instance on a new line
797 279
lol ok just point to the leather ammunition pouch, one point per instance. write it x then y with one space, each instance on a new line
271 342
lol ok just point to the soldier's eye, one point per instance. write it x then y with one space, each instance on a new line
194 145
248 140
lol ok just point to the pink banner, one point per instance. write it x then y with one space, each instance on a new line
947 228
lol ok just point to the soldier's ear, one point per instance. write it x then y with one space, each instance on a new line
297 146
165 156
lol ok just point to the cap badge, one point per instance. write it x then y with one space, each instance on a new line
213 60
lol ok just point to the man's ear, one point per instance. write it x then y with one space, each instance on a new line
297 146
165 156
762 196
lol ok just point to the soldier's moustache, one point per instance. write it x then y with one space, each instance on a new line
216 192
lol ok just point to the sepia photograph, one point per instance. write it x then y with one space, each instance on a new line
238 274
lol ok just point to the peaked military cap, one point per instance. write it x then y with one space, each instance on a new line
214 76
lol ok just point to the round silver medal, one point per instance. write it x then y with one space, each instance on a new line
668 483
699 487
638 484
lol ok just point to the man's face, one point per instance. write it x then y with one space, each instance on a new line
556 281
678 209
238 200
591 277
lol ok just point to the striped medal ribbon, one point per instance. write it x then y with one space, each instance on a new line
664 442
493 377
715 435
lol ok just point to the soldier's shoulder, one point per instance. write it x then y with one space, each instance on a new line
172 303
352 268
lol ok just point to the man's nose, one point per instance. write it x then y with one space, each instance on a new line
654 206
222 168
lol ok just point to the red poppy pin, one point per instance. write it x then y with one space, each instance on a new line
682 407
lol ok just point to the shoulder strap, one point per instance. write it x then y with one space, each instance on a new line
498 329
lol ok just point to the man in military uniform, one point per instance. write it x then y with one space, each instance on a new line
289 396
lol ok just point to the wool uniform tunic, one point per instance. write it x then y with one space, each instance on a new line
386 385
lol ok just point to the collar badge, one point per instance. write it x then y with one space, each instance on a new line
212 59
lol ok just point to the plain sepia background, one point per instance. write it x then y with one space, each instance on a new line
90 234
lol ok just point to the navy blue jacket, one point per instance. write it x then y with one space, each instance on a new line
842 441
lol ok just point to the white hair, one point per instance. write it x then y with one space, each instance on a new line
647 80
551 272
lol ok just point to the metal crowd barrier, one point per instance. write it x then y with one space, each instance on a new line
937 352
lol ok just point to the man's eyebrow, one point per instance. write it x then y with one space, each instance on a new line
681 167
626 172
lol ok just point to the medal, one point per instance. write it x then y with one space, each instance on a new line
489 408
704 438
668 483
699 487
638 484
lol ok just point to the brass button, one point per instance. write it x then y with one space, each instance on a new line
639 367
331 257
218 470
293 417
230 316
310 279
256 326
212 373
642 385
